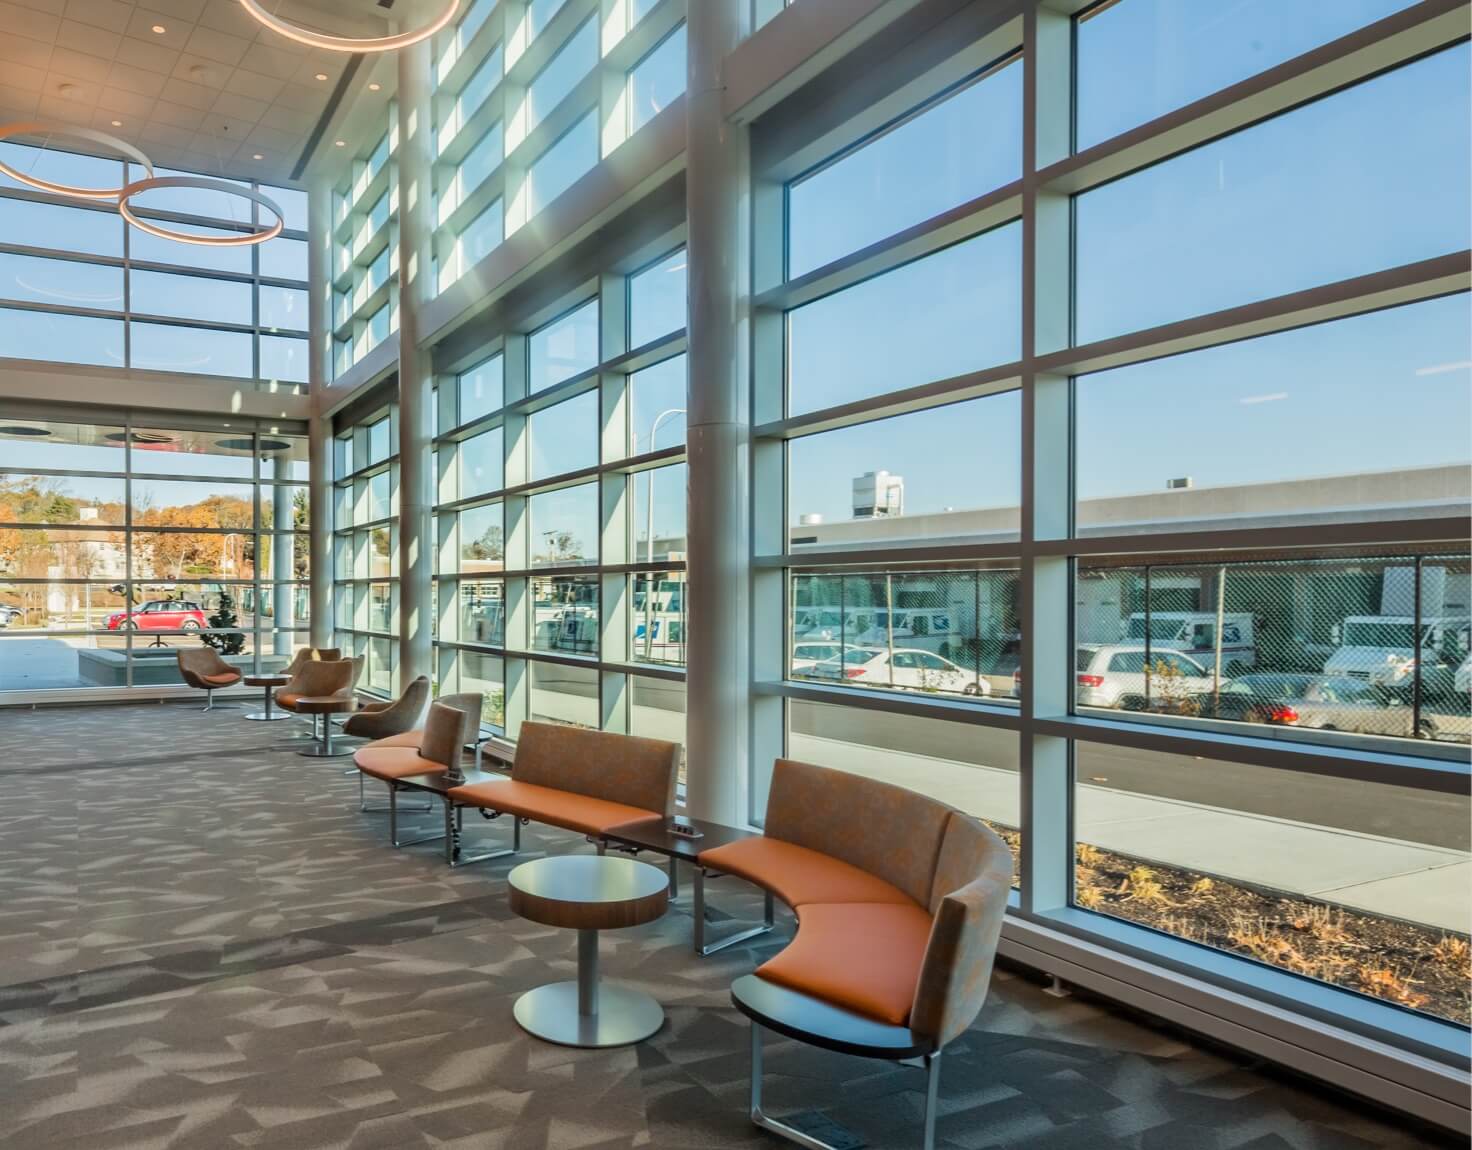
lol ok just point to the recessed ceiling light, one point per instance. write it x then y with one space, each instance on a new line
321 75
258 156
374 87
341 143
159 29
67 90
117 123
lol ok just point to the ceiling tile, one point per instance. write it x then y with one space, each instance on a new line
253 85
22 76
150 57
17 21
24 50
182 9
270 61
125 104
301 99
60 111
135 79
51 7
240 108
18 103
218 46
232 18
79 65
179 115
283 118
274 139
175 32
107 14
191 95
87 38
226 128
156 133
198 70
311 67
76 90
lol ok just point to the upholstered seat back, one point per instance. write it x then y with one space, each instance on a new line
321 677
197 662
448 728
878 827
968 899
394 718
311 654
618 768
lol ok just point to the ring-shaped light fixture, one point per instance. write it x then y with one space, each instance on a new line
204 183
35 128
350 43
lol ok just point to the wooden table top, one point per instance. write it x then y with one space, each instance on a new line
437 782
267 680
588 892
653 834
326 704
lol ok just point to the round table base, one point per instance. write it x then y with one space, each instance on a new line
264 717
318 751
624 1016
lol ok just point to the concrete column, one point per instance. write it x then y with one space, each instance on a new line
718 682
416 376
319 323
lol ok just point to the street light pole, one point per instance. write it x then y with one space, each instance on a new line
649 537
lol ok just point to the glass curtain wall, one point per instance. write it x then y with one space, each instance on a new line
1149 476
561 517
78 285
365 254
528 98
365 545
126 539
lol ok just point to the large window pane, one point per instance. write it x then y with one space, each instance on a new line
283 308
165 347
64 283
944 474
1361 418
57 606
480 389
973 768
483 612
1139 59
60 500
148 248
189 297
1300 200
174 555
284 259
171 451
565 614
482 539
574 60
481 464
166 503
561 694
657 80
956 311
564 526
51 444
1353 883
487 674
284 359
658 617
481 236
564 348
61 338
657 413
98 233
564 437
659 513
657 299
559 167
953 151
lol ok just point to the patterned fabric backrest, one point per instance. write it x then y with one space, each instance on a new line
972 881
469 703
322 677
406 707
878 827
617 768
444 735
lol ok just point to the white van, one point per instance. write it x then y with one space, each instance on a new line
1381 649
1193 633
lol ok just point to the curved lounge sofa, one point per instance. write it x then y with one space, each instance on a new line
899 901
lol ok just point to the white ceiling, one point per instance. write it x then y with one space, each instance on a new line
210 93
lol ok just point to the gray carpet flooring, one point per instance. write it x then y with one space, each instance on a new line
203 943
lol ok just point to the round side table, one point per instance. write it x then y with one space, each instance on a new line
326 706
270 683
588 893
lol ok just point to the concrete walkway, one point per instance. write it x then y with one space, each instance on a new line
1422 884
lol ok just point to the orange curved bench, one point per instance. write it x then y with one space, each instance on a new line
899 902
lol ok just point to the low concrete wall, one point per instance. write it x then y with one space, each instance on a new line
154 667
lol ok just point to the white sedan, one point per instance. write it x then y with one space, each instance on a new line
909 668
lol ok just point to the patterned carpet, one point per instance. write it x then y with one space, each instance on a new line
204 944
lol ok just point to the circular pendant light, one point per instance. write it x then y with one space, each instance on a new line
26 128
349 43
204 183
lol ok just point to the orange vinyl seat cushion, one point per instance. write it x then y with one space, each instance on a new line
865 957
393 762
223 679
565 809
798 875
287 698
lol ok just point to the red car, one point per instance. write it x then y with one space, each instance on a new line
160 615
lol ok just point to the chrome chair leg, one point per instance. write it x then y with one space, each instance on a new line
393 823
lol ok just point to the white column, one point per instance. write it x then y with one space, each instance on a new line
719 664
319 321
416 377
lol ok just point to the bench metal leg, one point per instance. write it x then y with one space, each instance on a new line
931 1063
455 855
703 948
393 823
366 809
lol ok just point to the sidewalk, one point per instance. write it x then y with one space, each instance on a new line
1422 884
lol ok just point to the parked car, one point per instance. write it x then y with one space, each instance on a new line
1193 633
1107 675
804 655
160 615
1462 679
1316 702
909 668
